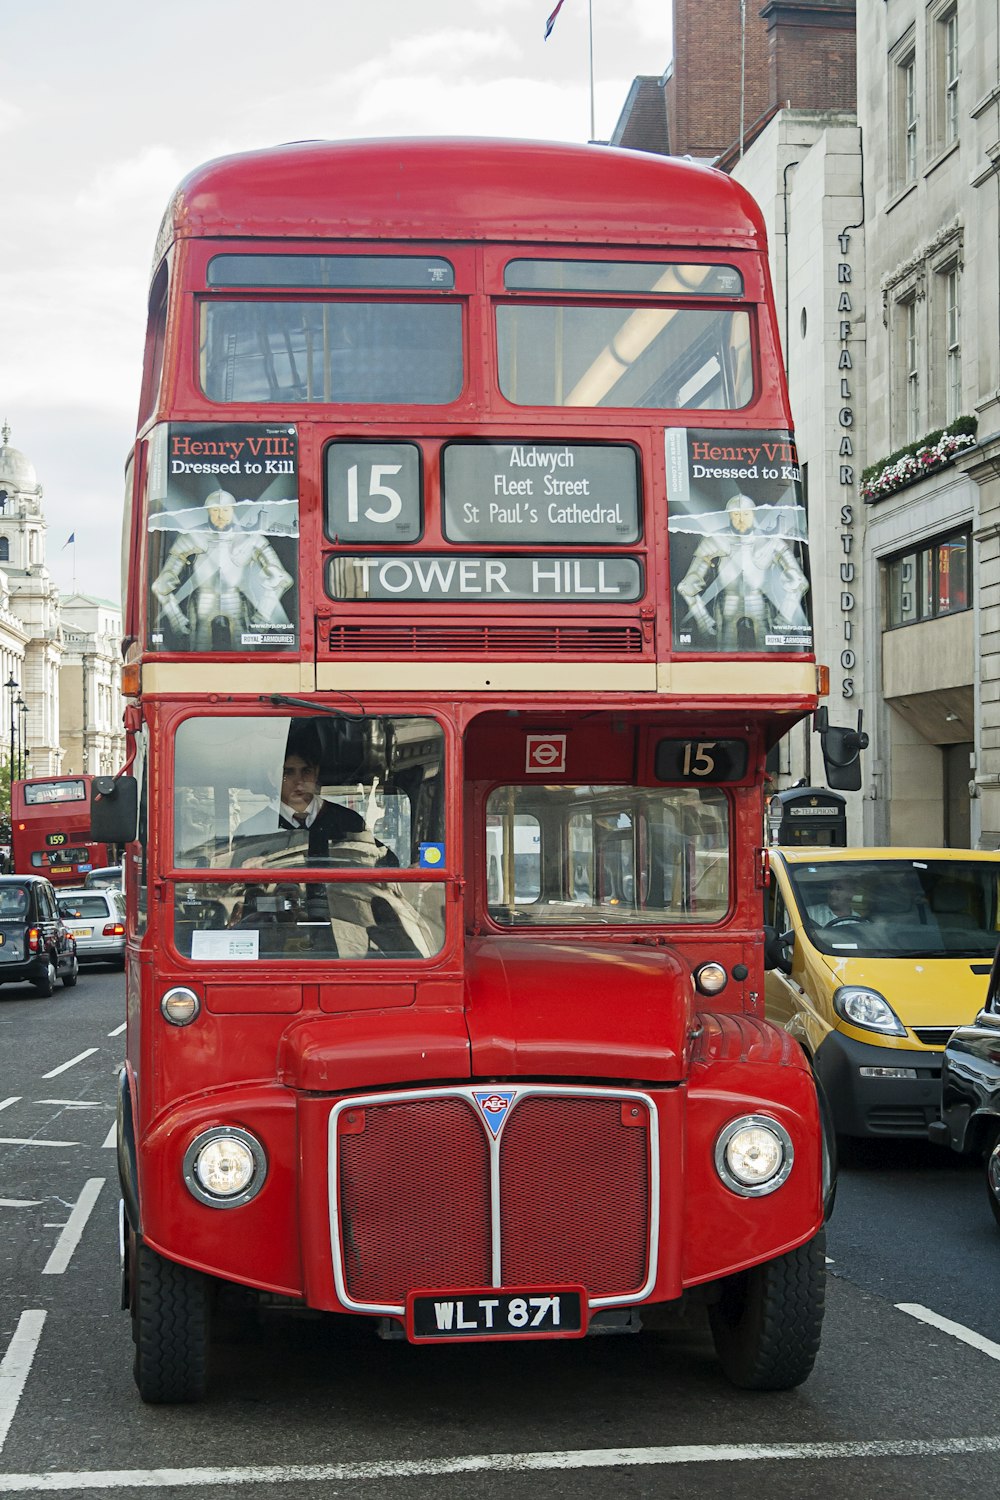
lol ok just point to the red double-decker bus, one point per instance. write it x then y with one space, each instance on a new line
467 589
50 829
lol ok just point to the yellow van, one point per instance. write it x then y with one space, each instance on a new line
873 957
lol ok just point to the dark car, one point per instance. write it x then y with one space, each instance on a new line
35 945
970 1089
105 875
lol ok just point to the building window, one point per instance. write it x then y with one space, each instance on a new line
4 549
911 367
943 73
951 78
953 336
902 110
933 580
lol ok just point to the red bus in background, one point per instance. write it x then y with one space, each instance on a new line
466 592
50 829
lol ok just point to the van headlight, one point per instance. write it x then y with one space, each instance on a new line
868 1009
225 1167
754 1155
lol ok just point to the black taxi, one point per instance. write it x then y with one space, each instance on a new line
35 946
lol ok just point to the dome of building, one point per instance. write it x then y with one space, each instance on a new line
16 471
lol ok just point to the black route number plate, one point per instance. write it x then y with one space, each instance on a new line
528 1312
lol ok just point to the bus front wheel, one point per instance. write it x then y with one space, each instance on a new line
766 1323
170 1327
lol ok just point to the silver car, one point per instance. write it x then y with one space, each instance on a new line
96 919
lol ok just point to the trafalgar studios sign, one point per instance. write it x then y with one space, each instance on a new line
849 563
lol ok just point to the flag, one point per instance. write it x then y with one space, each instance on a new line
70 538
552 20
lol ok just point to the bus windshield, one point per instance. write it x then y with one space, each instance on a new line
900 908
363 795
606 854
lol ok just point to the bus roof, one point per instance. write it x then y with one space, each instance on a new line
463 189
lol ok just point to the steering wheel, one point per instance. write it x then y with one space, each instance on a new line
846 921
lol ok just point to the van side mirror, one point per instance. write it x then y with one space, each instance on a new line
777 949
992 1001
114 809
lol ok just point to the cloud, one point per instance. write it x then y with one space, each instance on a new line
10 115
149 177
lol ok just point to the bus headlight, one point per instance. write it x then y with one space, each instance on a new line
180 1006
225 1167
753 1155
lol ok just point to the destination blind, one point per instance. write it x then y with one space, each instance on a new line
524 495
438 577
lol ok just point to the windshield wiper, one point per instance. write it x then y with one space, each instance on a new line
281 700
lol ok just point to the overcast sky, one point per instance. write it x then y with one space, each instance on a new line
105 106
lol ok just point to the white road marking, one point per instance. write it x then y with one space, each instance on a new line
118 1029
12 1100
498 1463
111 1139
20 1140
957 1330
73 1229
71 1064
76 1103
20 1202
15 1366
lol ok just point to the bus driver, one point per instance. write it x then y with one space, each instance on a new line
299 805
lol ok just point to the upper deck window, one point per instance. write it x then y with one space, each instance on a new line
655 278
365 271
343 353
674 358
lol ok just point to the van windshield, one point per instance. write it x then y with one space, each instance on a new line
900 908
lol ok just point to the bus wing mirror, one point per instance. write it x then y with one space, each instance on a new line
842 749
114 809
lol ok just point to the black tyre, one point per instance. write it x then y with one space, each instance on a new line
766 1324
170 1327
69 980
993 1178
46 985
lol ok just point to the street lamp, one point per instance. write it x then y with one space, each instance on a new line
12 686
23 758
22 709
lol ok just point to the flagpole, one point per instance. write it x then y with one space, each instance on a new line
590 16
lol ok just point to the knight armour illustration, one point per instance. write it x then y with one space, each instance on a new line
742 581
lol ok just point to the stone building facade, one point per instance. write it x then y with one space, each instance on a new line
54 653
885 249
929 109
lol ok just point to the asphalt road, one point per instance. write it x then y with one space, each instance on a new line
298 1407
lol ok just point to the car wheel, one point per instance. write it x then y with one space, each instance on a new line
766 1324
47 983
70 979
993 1178
170 1327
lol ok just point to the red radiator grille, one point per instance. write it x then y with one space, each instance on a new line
463 642
414 1200
575 1196
575 1202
